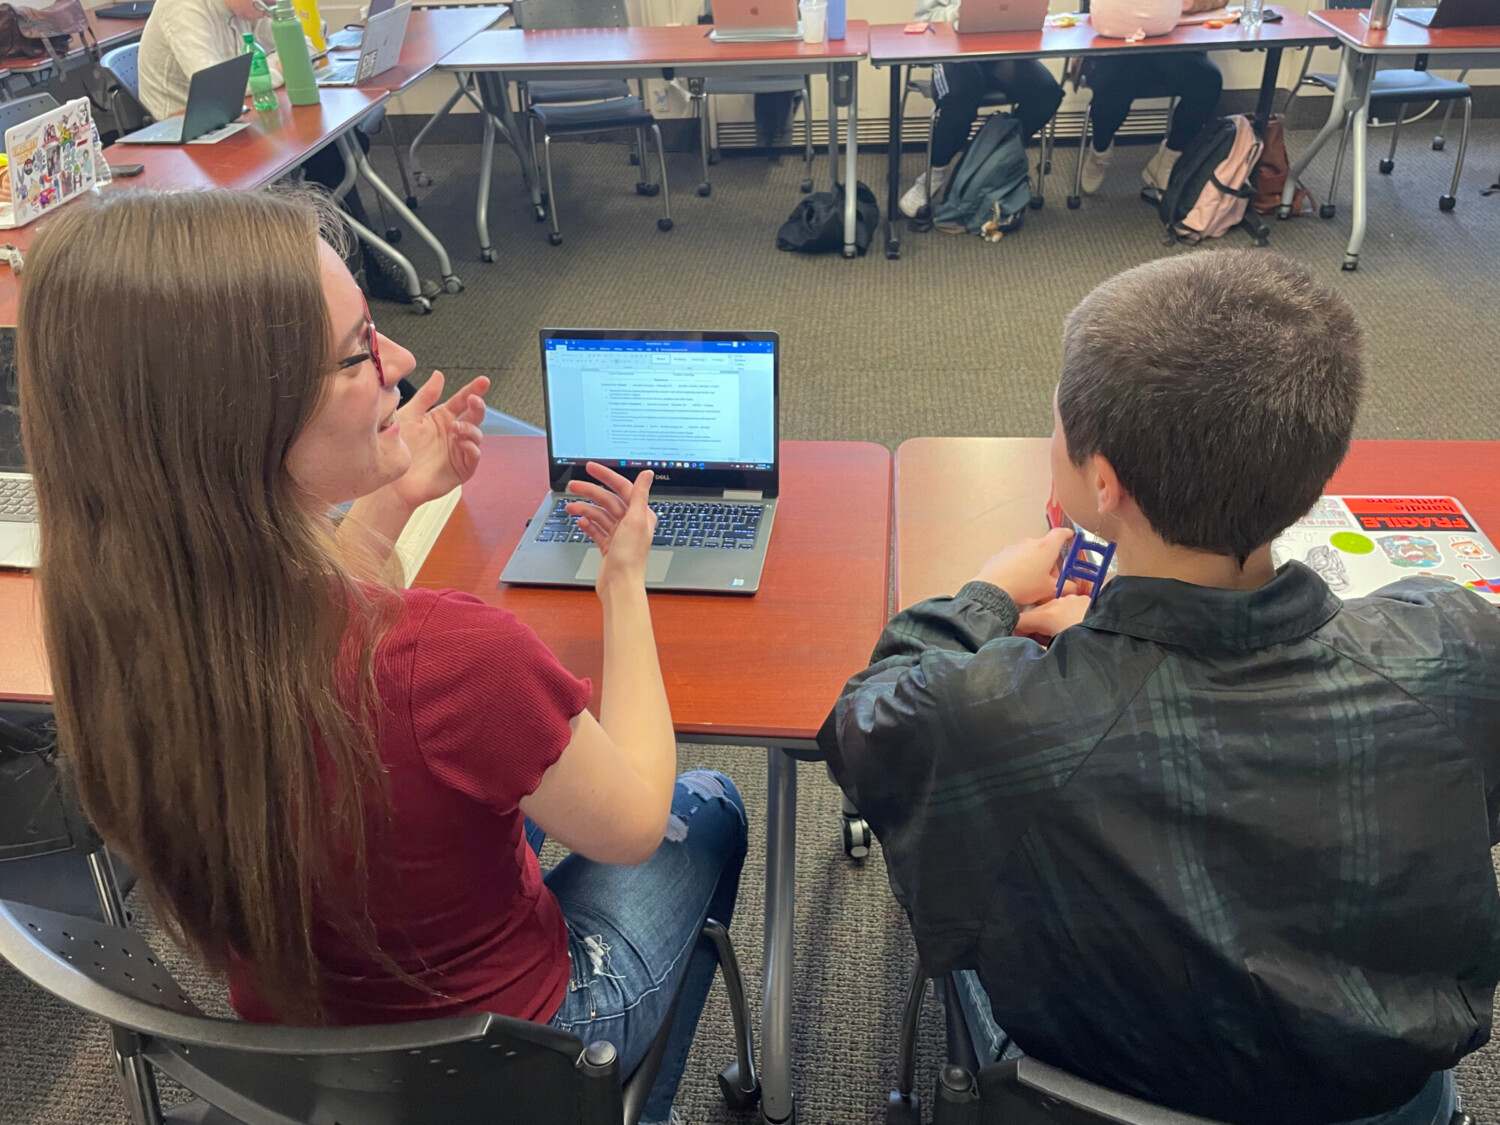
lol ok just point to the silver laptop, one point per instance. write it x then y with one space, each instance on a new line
700 409
347 37
216 96
19 539
977 17
379 49
755 21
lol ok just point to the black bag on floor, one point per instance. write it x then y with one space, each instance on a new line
817 225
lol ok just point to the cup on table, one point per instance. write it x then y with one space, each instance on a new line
1252 15
814 20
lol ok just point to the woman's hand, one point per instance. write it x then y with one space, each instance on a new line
616 516
444 440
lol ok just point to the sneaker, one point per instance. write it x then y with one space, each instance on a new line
916 196
1158 170
1095 164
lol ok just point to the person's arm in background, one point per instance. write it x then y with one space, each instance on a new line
937 11
609 793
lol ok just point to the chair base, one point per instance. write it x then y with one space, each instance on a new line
903 1109
1446 203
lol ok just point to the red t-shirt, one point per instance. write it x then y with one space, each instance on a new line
475 711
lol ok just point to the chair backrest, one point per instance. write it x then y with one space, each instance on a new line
23 109
551 15
124 64
1027 1092
468 1068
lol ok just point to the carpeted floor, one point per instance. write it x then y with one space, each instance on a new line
958 337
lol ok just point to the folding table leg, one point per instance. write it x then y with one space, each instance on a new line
1361 127
893 167
847 95
1338 107
353 152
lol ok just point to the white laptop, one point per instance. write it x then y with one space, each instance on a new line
697 408
379 49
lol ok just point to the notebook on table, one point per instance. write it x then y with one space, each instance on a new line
1358 544
700 409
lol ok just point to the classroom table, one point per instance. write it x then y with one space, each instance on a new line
891 47
959 500
272 146
498 57
760 671
431 34
107 32
1357 64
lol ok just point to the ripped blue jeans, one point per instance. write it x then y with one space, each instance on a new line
633 931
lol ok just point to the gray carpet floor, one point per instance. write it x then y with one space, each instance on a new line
959 337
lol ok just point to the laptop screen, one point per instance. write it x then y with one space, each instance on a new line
698 408
11 458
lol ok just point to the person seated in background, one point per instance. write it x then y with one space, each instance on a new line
328 784
182 37
1225 844
960 87
1120 77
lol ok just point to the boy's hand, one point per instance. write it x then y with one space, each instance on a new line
1051 618
1027 570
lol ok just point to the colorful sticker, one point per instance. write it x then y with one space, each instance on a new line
1411 552
1481 584
1466 548
1352 542
1327 512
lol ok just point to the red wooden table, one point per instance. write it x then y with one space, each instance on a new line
890 46
959 500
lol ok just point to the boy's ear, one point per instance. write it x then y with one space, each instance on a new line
1109 494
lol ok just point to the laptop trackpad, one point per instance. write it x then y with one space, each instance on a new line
656 565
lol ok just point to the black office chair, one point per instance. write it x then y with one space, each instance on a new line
50 855
1394 89
468 1068
123 88
1022 1091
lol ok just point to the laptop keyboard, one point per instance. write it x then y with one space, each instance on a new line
17 500
707 524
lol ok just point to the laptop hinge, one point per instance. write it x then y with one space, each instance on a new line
744 494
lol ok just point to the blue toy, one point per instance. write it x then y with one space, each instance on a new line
1079 565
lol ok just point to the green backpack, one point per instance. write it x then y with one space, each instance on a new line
992 184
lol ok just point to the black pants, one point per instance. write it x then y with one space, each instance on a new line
960 87
1191 77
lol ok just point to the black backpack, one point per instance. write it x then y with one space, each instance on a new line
1194 169
817 225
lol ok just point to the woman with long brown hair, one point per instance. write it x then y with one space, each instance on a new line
327 784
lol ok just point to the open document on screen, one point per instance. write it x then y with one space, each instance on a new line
700 403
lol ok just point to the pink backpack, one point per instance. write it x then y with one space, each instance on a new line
1210 187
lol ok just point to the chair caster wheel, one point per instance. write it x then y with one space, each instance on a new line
423 180
1074 202
857 837
850 254
487 254
663 224
1438 143
647 189
1327 211
453 284
903 1109
735 1096
1446 203
421 306
555 238
705 190
1351 263
1387 167
393 235
431 289
806 186
411 202
1037 202
1283 211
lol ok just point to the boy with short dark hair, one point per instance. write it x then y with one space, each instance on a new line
1225 844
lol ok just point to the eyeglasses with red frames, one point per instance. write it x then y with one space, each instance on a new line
371 352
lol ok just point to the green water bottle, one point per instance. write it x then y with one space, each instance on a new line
262 88
296 61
